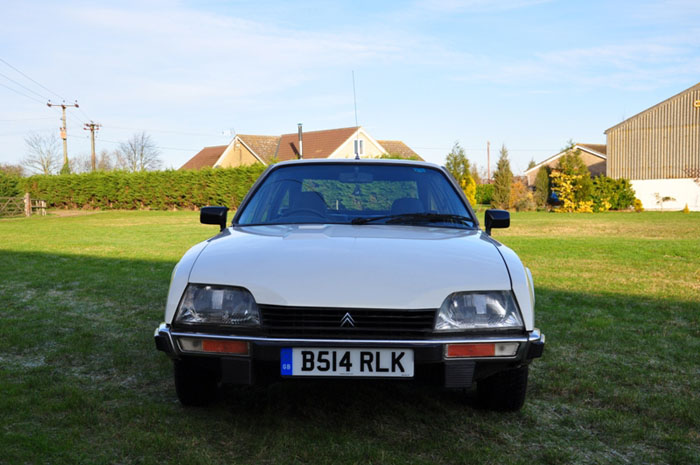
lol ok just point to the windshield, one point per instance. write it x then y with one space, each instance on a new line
356 194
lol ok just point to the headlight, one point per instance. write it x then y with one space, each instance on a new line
479 310
218 305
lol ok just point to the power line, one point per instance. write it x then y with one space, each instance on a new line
35 82
84 114
72 136
166 131
23 86
22 119
21 93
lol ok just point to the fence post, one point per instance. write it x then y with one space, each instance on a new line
27 205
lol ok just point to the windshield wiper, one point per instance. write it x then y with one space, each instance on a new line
419 217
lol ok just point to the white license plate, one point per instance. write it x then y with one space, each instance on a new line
312 361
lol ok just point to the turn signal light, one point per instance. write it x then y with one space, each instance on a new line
223 346
220 346
501 349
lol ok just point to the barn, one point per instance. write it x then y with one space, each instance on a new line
658 150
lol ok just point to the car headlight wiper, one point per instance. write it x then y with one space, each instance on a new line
409 217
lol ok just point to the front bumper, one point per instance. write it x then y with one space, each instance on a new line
431 363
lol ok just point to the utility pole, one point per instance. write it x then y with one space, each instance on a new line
63 129
92 127
488 162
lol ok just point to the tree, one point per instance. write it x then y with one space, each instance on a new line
106 161
502 179
138 154
42 154
572 164
458 165
12 170
542 189
80 164
475 174
532 164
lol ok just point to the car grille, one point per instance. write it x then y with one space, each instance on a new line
313 322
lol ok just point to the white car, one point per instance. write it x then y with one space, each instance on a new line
352 269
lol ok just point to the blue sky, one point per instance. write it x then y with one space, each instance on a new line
530 74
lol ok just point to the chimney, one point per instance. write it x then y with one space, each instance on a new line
301 147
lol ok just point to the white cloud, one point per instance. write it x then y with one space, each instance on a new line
636 65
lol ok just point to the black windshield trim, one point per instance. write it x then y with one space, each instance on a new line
417 216
420 225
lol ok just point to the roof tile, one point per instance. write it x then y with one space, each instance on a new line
204 158
316 144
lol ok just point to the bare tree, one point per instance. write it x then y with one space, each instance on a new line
80 164
12 170
138 154
42 154
106 161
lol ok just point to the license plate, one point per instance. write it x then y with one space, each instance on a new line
385 363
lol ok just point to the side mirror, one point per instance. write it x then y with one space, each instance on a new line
214 215
496 219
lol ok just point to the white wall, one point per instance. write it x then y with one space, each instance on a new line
685 191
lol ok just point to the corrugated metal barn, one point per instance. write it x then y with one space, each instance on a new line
659 151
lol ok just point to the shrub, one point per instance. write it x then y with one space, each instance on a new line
638 207
484 193
521 198
611 194
564 185
154 190
686 209
469 188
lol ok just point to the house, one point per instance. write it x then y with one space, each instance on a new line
593 155
658 150
330 143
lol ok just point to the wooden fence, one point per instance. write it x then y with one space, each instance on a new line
18 206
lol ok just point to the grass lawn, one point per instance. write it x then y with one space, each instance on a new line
618 296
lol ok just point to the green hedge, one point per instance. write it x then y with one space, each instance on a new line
154 190
9 185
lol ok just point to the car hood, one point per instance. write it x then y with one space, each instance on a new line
353 266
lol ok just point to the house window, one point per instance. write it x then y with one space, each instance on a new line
359 147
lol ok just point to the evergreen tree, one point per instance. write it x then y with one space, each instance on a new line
458 165
542 189
570 164
475 174
502 179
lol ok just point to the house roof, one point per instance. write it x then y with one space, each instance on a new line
399 148
264 147
204 158
316 144
598 150
696 86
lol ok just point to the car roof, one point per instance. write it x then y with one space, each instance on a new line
361 161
